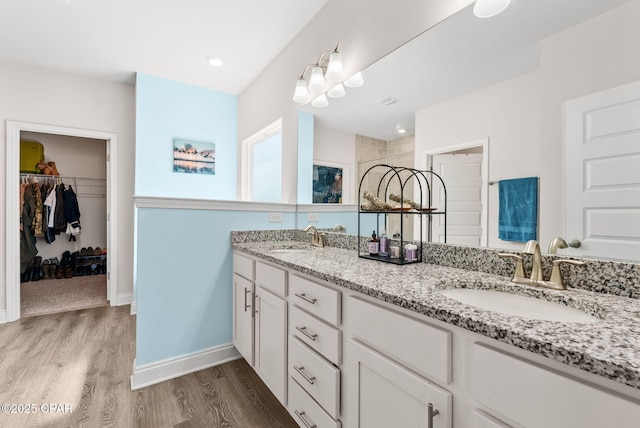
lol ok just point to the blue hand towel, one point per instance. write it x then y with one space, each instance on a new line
518 212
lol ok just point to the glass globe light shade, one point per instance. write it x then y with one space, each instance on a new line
301 94
354 81
337 91
320 102
316 81
335 68
489 8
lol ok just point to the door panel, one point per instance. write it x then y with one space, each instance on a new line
602 174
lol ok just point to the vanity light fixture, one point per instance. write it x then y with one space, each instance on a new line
327 70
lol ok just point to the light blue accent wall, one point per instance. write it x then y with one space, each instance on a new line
184 278
305 157
167 109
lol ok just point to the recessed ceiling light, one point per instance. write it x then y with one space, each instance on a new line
215 61
401 130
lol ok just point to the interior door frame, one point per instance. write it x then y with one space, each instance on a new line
12 195
481 142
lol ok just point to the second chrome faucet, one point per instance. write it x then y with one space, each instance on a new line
537 278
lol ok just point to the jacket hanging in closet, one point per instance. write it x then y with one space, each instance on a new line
71 213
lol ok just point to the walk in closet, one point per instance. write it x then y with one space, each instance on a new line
63 252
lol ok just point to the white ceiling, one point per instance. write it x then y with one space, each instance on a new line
112 39
460 55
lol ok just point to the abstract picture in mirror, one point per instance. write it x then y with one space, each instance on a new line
327 184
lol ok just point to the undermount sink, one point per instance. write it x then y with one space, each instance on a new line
521 306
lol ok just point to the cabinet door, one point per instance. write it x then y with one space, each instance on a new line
389 395
243 317
271 341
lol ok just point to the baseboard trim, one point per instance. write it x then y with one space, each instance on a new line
3 317
171 368
134 308
124 299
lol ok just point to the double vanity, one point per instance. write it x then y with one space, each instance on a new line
351 342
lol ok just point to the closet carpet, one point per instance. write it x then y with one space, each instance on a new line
73 369
49 296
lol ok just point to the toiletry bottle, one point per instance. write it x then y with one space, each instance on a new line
384 245
374 245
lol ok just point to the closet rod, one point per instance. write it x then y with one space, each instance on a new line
26 174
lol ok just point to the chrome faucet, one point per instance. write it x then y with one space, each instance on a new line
520 276
317 238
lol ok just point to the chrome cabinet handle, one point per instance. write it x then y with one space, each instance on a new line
430 414
246 306
304 420
310 379
304 297
304 331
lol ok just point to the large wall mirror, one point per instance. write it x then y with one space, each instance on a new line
492 93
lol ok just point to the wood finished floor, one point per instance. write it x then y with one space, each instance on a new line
84 359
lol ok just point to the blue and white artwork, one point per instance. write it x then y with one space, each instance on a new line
194 157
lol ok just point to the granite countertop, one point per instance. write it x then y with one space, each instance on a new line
609 347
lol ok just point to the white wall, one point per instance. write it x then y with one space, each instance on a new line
77 157
331 147
367 30
37 95
523 117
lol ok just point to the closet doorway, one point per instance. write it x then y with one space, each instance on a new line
93 183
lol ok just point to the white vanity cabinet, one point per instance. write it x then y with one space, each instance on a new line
338 358
387 355
260 320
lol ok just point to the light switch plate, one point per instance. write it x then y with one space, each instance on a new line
275 217
312 217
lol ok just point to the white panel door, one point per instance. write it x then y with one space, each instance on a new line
602 180
462 176
270 359
243 317
389 395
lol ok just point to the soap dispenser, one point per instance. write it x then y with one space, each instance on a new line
374 244
383 246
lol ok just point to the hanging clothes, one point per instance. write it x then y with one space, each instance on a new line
59 220
71 213
37 215
50 207
28 250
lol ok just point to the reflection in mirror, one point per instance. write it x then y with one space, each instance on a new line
505 80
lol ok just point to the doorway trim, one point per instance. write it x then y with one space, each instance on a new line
12 197
481 142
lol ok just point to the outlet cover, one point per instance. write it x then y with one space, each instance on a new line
312 217
275 217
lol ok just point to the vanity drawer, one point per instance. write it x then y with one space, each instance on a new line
320 336
319 300
271 278
243 266
420 346
305 411
315 375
